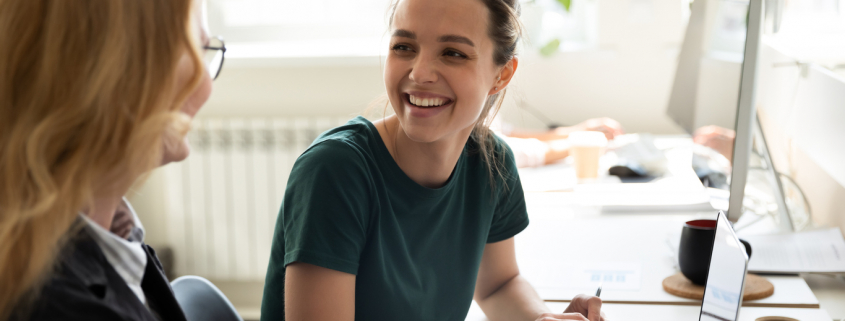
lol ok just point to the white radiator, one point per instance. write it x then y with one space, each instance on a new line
222 201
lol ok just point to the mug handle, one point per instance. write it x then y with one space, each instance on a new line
747 247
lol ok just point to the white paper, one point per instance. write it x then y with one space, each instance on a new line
623 276
587 276
669 194
814 251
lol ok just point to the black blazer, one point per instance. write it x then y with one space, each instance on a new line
86 287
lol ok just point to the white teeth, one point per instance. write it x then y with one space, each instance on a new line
426 102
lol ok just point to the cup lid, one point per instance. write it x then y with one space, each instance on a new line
587 138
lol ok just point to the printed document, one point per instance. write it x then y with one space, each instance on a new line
813 251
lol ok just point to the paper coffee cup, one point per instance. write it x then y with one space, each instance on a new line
586 150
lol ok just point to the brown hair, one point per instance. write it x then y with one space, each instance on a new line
88 90
505 29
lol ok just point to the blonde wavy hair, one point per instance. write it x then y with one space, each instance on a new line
88 90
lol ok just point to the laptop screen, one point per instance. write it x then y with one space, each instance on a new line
726 277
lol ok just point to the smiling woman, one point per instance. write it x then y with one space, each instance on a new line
441 60
413 216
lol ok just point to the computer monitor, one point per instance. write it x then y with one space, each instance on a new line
746 114
726 275
721 36
707 78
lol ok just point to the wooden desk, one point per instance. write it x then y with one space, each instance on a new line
564 238
638 312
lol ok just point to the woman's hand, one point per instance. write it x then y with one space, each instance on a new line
123 221
586 305
562 316
611 128
717 138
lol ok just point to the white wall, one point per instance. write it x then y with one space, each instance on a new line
718 92
802 109
631 85
281 87
627 75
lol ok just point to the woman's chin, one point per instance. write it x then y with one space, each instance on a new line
421 135
428 133
176 152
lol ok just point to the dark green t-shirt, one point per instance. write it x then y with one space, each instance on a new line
415 251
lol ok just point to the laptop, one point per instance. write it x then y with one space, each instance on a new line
726 277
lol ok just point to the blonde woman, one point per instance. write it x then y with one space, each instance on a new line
93 94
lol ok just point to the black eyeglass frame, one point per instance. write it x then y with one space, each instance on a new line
222 48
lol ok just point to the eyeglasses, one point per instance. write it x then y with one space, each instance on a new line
215 52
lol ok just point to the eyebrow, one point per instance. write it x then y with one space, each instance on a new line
445 38
404 34
456 38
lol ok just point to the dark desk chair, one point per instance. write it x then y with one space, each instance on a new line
202 301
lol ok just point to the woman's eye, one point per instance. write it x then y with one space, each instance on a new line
455 54
401 47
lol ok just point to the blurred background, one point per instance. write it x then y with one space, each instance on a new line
296 68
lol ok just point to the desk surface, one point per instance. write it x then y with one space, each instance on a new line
830 292
568 229
563 242
642 312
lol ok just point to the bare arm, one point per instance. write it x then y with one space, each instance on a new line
499 289
505 295
545 136
609 127
318 293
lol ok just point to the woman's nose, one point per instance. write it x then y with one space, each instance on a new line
424 71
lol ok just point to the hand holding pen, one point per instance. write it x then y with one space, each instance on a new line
588 306
582 307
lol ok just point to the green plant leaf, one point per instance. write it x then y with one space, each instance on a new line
550 48
566 4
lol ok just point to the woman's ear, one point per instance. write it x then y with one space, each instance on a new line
504 76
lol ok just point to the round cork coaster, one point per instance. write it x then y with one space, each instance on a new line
756 287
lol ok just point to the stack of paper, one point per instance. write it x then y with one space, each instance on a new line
671 194
814 251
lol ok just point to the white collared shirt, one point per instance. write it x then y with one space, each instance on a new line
127 257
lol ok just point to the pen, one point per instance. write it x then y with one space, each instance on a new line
598 292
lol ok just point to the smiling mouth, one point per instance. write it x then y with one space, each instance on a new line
427 102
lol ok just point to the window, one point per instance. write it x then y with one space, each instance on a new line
287 28
551 25
810 31
344 28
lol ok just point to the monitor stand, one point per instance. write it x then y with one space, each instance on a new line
761 148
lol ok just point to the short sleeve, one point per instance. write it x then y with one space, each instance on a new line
511 216
323 219
325 209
